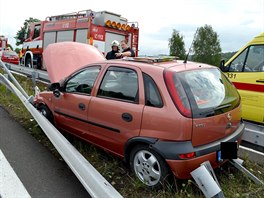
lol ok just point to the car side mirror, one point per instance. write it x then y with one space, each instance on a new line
223 67
54 86
56 93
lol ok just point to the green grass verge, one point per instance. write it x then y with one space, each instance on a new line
232 181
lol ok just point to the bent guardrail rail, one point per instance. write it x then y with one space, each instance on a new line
91 179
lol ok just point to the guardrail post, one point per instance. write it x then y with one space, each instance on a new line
34 75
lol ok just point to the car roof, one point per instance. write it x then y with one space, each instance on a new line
65 58
175 65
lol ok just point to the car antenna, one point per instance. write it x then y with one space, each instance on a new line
185 60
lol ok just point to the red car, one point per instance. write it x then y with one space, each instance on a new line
160 116
9 56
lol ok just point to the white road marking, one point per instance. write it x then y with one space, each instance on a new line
10 184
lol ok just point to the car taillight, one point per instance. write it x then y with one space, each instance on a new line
187 155
178 94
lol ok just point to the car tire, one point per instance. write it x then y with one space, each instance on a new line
44 110
149 167
28 63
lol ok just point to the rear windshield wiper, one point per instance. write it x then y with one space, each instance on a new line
222 107
211 112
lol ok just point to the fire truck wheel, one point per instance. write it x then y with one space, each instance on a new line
28 63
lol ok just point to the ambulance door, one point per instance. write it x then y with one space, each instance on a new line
246 71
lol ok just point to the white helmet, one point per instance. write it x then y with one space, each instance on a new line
115 43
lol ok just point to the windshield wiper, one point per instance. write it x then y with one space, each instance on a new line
222 107
211 112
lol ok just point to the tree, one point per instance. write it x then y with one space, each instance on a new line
20 35
176 45
206 46
17 50
10 46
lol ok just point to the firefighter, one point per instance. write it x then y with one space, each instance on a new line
114 51
127 51
20 55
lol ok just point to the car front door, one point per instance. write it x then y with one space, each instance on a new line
246 71
71 107
115 113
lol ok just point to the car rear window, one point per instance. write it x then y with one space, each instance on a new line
10 54
208 90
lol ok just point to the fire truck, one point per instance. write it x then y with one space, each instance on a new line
94 28
3 43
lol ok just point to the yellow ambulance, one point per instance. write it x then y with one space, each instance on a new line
246 70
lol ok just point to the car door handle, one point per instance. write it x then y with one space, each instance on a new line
260 80
82 106
127 117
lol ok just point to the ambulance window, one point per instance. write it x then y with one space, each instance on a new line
36 31
255 59
238 63
250 60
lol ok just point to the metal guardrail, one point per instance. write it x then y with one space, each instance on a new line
91 179
38 74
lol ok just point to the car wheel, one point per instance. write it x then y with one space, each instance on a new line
149 166
44 110
28 63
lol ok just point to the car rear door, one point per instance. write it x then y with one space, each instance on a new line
115 113
71 107
246 72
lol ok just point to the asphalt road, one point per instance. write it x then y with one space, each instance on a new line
42 174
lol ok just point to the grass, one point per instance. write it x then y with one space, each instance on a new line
232 181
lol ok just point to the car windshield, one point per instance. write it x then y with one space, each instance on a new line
209 92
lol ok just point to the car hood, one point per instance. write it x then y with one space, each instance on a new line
62 59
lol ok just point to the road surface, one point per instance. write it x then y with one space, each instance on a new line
40 172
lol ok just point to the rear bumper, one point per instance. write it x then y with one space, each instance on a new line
182 167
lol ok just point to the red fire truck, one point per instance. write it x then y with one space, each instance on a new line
3 43
95 28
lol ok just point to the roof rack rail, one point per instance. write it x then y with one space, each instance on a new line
150 59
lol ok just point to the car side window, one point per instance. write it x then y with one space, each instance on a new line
250 60
83 81
152 94
120 83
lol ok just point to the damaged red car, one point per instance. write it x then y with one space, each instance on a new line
161 116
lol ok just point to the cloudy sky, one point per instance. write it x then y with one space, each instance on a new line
235 21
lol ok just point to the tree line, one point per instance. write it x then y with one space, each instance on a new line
205 46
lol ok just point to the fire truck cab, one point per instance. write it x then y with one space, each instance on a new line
246 70
94 28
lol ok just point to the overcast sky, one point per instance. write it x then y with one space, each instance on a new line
235 21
